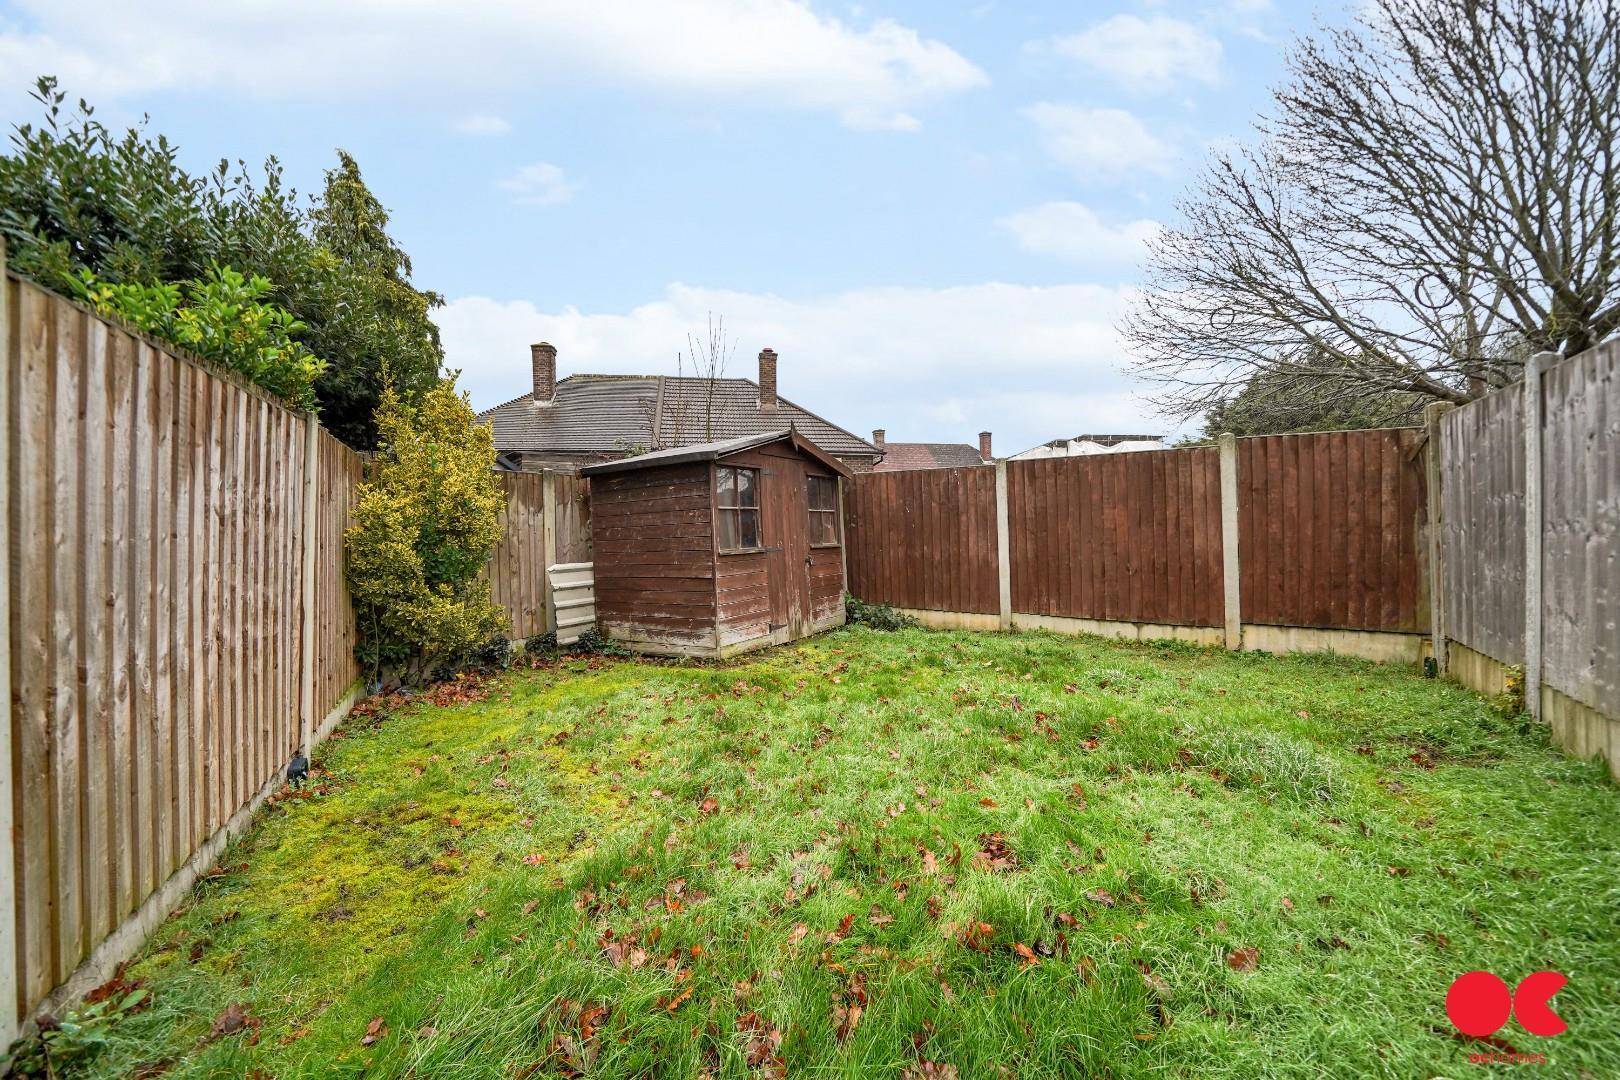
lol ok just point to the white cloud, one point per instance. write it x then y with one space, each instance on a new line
1099 144
1028 363
540 184
1074 232
482 124
774 53
1144 55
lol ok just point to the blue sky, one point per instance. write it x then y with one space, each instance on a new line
933 212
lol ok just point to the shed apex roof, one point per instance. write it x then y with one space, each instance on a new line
711 451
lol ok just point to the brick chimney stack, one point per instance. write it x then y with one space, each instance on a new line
767 380
984 445
877 437
544 355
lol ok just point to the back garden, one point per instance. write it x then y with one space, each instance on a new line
915 854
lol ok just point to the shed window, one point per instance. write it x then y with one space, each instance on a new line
737 503
823 495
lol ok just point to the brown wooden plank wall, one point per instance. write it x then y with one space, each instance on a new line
1482 524
517 566
1133 537
654 563
1580 552
924 539
1332 530
156 537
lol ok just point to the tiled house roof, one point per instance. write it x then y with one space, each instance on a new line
900 457
614 414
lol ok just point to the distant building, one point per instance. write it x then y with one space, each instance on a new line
584 419
1084 445
906 456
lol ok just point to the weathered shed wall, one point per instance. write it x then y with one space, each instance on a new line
653 535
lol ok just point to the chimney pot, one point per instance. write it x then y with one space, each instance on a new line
544 356
767 380
877 438
984 446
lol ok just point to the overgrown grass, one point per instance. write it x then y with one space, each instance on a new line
1015 855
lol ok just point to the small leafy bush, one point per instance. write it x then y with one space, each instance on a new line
425 521
593 643
493 654
540 644
225 317
65 1043
876 616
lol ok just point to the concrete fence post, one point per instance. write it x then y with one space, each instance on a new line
306 702
548 545
1532 528
1434 479
1003 549
1229 541
8 861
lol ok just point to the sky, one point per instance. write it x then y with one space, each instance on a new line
934 212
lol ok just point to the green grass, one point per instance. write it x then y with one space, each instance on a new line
538 883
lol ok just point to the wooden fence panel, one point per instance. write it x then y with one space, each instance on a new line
1131 537
1332 530
155 533
517 571
1482 524
924 539
1580 554
339 471
573 518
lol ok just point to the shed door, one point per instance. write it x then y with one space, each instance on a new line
789 545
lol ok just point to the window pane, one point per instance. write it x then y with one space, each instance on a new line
725 482
748 533
823 493
728 529
747 487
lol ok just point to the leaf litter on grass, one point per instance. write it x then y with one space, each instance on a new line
968 855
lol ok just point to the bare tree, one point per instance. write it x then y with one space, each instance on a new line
692 414
1433 198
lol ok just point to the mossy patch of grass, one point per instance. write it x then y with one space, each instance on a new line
1015 854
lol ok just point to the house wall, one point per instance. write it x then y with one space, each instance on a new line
653 539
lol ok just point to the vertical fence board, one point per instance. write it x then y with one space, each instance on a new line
95 628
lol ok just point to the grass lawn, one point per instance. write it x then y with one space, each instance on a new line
895 855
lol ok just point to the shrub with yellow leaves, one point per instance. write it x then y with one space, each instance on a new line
425 521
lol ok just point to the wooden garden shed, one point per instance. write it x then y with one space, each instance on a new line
714 549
